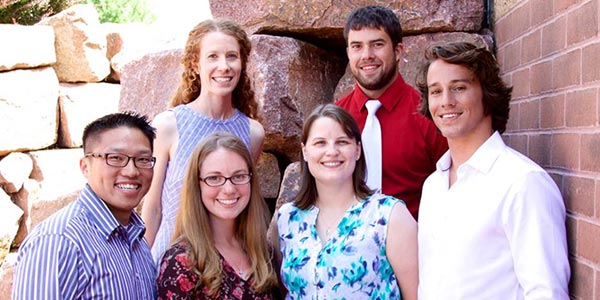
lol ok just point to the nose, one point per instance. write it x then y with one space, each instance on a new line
366 53
130 169
223 64
332 149
448 99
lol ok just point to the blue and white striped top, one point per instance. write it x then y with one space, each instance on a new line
83 252
192 127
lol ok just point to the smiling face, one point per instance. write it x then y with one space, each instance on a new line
330 153
456 103
373 59
220 64
224 202
121 188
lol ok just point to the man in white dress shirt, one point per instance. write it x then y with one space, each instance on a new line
492 222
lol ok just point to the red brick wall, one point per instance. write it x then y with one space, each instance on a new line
549 50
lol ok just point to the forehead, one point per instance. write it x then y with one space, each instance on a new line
123 138
367 34
440 72
325 126
218 41
214 161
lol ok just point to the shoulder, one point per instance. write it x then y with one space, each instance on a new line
165 120
256 129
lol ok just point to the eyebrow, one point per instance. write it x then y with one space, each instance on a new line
465 80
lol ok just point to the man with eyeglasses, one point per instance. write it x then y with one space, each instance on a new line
95 246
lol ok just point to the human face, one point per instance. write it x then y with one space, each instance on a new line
456 103
220 64
224 202
330 153
373 59
121 188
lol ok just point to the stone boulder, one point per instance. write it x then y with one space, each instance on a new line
14 170
267 168
28 109
290 77
10 215
30 190
80 44
6 275
148 83
25 47
414 47
323 21
82 103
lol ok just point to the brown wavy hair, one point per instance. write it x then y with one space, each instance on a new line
307 195
192 224
190 86
496 94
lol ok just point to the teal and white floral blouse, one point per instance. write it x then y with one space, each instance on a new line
351 265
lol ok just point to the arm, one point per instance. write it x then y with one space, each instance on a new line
401 249
534 223
257 138
166 139
47 268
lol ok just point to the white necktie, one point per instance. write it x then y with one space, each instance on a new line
371 142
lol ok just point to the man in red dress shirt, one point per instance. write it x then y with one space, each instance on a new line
411 144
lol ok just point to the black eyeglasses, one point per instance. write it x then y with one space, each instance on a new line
121 160
218 180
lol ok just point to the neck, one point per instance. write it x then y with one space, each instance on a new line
462 150
224 232
213 106
375 94
334 196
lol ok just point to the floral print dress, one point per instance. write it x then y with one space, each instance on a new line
176 281
351 265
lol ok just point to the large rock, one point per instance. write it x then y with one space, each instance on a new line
414 47
14 170
28 109
267 168
60 180
6 275
17 44
30 190
80 44
290 78
148 83
323 21
10 215
82 103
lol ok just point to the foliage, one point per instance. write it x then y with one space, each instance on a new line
123 11
27 12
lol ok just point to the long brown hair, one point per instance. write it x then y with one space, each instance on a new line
190 86
192 224
308 194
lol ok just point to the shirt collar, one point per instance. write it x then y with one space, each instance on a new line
483 159
104 220
389 98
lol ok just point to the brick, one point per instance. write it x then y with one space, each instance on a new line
518 142
561 5
540 12
554 36
581 285
552 112
529 115
501 30
582 23
580 108
531 47
597 200
521 21
512 57
541 77
513 118
565 151
590 143
578 193
588 239
590 61
521 86
571 226
539 149
569 65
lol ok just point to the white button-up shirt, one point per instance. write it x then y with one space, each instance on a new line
497 233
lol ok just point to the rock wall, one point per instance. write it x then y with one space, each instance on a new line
81 70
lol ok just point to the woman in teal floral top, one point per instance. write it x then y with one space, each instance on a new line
334 237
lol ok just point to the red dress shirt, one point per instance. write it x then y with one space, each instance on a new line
411 144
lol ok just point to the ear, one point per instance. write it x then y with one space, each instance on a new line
303 151
358 150
84 166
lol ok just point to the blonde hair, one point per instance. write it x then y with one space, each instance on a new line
192 224
190 86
